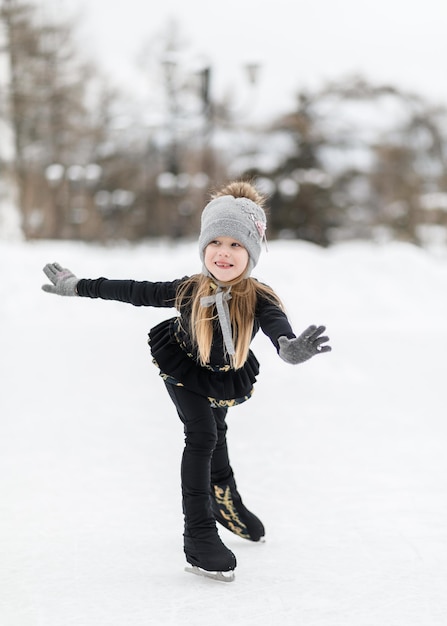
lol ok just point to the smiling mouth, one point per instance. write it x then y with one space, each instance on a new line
223 265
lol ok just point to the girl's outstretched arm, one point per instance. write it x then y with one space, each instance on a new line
138 293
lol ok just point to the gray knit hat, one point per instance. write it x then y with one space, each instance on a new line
239 218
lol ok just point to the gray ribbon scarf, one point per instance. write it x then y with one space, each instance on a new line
220 299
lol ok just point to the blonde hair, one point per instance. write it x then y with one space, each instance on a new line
242 306
244 297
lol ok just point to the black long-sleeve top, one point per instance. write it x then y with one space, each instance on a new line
171 345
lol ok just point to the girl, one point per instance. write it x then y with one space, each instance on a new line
204 357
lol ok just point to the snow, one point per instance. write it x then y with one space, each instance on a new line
343 457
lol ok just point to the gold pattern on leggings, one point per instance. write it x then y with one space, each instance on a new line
229 513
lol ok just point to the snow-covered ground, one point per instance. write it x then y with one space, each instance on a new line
342 457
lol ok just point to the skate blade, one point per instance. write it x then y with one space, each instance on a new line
225 577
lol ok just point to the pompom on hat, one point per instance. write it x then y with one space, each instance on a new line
239 218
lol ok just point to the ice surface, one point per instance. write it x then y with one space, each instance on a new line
342 457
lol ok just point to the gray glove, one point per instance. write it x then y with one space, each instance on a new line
301 348
64 282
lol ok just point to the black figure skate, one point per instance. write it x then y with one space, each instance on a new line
209 557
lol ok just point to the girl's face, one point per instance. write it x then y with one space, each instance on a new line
225 258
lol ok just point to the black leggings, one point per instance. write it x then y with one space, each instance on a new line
205 456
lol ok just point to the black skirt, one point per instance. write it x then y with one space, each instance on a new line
223 385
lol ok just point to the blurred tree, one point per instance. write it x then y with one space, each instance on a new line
300 194
301 203
47 112
183 139
409 163
364 156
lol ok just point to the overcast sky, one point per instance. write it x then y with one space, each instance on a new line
297 43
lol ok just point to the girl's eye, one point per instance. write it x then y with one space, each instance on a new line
235 244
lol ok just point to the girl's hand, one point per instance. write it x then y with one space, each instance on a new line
302 348
64 281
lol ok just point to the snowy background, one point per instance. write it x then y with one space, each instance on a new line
343 457
298 44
